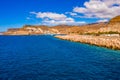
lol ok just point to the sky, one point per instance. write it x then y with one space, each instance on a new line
16 13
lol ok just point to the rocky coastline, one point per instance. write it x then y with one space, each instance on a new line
111 42
106 34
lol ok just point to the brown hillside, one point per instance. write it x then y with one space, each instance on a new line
115 20
113 26
95 28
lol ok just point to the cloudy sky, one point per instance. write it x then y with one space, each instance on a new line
16 13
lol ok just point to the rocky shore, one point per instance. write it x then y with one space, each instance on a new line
105 34
112 42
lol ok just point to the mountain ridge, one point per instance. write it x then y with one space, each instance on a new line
95 28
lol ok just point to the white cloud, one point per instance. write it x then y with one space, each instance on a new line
65 22
71 13
50 15
111 2
103 20
50 18
99 9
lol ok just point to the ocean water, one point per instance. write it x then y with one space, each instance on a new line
48 58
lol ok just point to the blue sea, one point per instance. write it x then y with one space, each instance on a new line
44 57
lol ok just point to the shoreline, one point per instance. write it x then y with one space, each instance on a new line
101 41
110 42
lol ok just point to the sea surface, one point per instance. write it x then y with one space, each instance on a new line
47 58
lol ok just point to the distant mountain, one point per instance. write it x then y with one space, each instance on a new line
96 28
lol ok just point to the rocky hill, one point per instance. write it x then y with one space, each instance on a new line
113 26
36 30
60 29
115 20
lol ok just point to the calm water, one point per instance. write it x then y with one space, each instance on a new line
48 58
